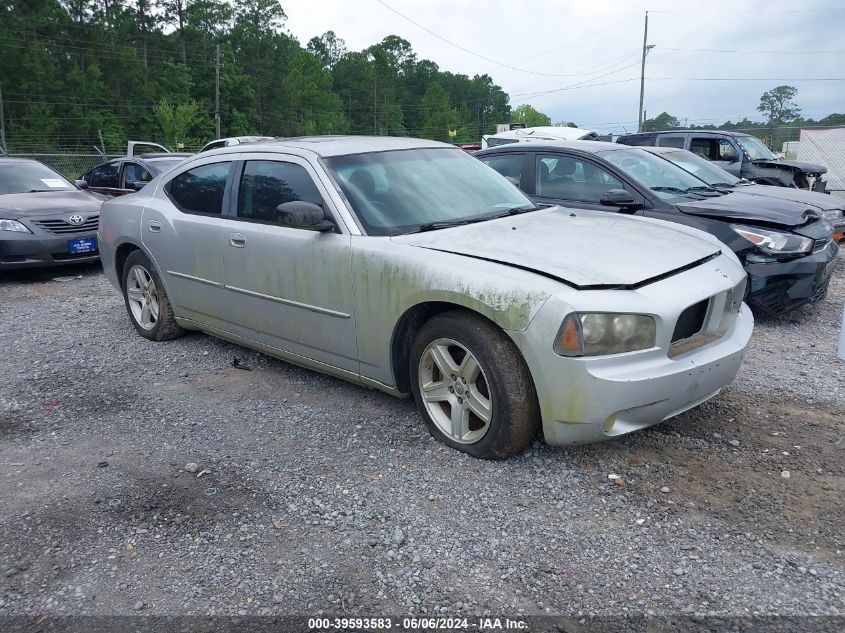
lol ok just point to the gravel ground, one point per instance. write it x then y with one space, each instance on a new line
144 478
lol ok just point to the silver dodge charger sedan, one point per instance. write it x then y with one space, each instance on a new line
408 266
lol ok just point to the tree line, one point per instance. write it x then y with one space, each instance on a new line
783 120
72 71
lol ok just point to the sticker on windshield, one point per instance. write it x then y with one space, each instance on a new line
54 183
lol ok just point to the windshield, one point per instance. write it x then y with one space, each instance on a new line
665 179
18 177
399 191
755 148
162 166
700 167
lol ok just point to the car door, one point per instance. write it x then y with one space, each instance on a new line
105 179
290 288
574 181
181 228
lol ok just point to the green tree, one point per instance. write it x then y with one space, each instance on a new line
528 115
663 121
176 120
778 105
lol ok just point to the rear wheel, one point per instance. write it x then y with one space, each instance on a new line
146 302
472 386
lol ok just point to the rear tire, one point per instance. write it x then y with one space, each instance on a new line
472 386
146 302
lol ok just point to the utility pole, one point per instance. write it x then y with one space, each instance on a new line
2 123
642 74
217 94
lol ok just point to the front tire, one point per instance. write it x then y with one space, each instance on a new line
472 386
146 302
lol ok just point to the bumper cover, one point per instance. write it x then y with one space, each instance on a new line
25 250
777 288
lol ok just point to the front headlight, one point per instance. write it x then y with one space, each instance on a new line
595 333
832 215
13 225
774 242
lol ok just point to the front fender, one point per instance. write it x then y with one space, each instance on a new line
392 280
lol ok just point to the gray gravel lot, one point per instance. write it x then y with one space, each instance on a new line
320 496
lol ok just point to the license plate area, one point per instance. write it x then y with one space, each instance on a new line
82 245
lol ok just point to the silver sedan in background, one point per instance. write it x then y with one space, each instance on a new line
408 266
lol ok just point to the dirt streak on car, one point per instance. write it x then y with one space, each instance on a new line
408 266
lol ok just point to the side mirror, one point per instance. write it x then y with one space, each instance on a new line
619 198
304 215
730 158
82 184
136 185
513 181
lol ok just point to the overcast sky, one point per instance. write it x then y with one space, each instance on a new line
550 45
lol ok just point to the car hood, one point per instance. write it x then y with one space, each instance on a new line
738 206
810 199
20 205
584 249
807 168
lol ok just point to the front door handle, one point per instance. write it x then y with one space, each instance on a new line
154 226
238 240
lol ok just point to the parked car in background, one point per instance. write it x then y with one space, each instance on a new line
539 133
831 208
407 266
742 155
233 140
128 174
786 248
44 219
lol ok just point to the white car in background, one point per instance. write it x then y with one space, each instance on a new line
540 133
233 140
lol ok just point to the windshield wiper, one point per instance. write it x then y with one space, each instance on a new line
445 224
727 185
672 189
42 190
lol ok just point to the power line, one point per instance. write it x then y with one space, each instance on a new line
466 50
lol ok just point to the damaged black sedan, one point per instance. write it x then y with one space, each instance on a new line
786 247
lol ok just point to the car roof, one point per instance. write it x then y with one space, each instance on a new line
585 146
656 133
17 161
327 146
166 155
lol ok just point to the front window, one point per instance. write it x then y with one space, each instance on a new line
569 178
266 184
18 177
665 179
398 191
701 168
755 148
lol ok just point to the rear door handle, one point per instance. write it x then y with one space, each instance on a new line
154 226
238 240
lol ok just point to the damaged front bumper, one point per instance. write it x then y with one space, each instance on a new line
779 287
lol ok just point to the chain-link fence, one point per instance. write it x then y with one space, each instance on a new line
71 166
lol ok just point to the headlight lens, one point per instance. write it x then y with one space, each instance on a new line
832 215
596 333
13 225
774 242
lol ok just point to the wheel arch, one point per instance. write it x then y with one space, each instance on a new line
405 331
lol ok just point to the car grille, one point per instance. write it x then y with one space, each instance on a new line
691 321
61 227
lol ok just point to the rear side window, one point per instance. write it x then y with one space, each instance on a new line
266 184
103 176
705 147
672 141
200 190
508 165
